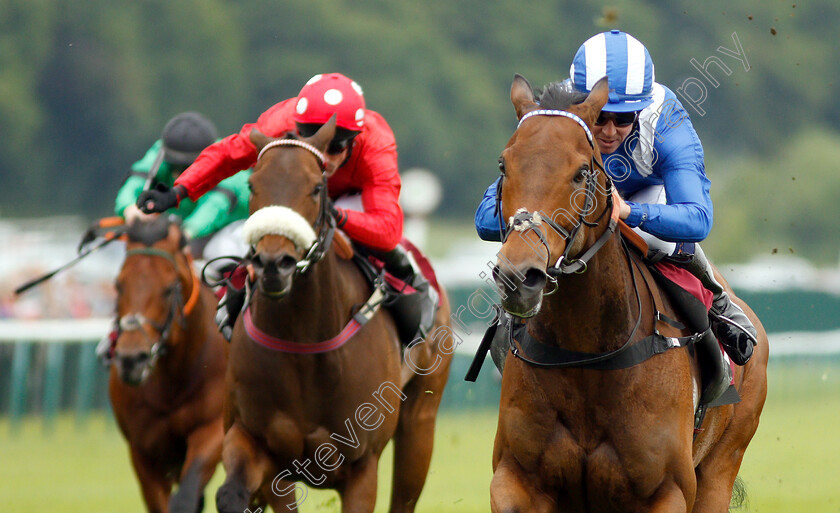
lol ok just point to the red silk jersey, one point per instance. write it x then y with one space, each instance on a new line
371 171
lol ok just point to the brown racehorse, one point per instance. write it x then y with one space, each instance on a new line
305 404
593 440
167 377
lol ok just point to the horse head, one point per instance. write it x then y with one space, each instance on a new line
290 226
551 192
156 289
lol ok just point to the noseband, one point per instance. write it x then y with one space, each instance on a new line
324 224
522 220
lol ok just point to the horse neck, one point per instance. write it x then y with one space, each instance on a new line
318 304
592 311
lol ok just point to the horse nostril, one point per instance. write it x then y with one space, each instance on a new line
534 279
272 265
129 362
257 262
287 264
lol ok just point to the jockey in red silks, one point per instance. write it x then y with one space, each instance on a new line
361 163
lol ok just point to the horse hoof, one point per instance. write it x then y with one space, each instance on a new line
180 503
231 498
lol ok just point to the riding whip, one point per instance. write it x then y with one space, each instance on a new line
108 237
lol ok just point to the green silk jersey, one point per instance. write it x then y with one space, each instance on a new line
225 203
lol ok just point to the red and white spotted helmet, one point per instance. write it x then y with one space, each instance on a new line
328 94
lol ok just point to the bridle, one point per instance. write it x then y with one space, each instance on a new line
522 220
178 309
325 223
530 350
325 226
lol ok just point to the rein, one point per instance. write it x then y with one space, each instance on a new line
325 226
630 353
135 322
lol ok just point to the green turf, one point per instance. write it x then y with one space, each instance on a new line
792 465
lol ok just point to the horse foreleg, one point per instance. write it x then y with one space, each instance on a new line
512 492
717 472
358 491
154 485
204 450
284 496
246 467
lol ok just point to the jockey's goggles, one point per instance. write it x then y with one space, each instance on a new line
620 119
338 145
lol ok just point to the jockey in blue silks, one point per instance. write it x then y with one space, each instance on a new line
653 155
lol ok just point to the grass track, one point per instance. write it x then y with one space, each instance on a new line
792 465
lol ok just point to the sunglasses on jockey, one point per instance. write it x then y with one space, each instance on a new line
620 119
336 146
343 138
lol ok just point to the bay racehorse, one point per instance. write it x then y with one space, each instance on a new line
168 364
588 439
316 385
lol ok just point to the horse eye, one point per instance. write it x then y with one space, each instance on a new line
502 165
317 189
580 176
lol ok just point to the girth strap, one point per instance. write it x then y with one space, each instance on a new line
534 352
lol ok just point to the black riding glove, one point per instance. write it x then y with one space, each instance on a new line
161 198
339 214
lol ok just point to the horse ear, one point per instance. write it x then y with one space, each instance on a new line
598 97
522 96
259 139
324 134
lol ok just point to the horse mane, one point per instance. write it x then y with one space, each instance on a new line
560 95
153 230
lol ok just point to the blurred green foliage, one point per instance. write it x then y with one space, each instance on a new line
85 87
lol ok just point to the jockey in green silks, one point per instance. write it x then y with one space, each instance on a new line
184 136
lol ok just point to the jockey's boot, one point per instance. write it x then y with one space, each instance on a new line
716 373
415 311
228 310
731 325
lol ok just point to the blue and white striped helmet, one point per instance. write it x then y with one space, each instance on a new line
626 62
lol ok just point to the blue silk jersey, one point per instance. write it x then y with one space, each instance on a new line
662 149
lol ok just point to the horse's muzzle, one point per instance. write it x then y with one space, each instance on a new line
521 289
274 274
134 367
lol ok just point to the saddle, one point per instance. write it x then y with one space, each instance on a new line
400 297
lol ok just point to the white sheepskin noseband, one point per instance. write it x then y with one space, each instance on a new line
277 220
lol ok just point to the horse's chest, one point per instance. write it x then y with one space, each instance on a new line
577 462
579 448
